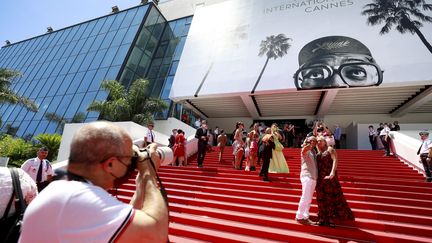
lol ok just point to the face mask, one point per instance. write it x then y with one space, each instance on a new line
128 173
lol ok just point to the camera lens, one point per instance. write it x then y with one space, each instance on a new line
165 154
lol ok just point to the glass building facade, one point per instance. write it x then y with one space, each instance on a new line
62 70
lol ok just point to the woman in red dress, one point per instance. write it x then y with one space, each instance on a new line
179 148
329 195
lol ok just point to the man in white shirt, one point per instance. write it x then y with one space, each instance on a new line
149 136
425 152
385 139
39 169
81 210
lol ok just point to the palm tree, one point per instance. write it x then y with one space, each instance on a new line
9 96
79 117
273 47
133 105
399 13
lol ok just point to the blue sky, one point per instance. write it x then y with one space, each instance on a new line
23 19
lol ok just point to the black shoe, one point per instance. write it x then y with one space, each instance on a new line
200 166
266 179
252 168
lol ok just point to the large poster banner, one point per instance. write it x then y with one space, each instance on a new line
250 46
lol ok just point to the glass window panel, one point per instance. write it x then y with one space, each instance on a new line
58 67
29 116
15 113
130 14
64 104
97 59
143 38
65 84
43 108
88 29
108 39
54 103
69 49
5 115
107 23
87 60
67 65
126 77
31 128
21 127
179 48
98 26
74 104
78 47
134 59
130 35
112 73
60 51
143 65
158 87
80 31
52 127
167 88
37 88
63 37
139 16
58 81
151 46
30 88
22 114
173 68
86 81
53 52
118 20
119 37
88 99
88 44
41 127
97 80
72 33
97 42
77 63
157 31
75 83
109 57
120 56
102 95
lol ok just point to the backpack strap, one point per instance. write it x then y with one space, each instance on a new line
6 212
20 204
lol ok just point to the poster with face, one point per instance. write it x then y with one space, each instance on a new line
249 46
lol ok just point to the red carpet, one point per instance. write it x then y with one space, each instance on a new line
391 202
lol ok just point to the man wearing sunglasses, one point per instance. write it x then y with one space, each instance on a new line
81 210
336 62
425 152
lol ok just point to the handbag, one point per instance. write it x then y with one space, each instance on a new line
10 227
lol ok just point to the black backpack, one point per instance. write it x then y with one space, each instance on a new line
10 227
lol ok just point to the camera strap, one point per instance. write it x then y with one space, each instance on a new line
162 188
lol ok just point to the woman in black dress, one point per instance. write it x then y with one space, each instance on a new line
331 201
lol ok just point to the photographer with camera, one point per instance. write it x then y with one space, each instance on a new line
81 210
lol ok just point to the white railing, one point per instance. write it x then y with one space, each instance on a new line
406 148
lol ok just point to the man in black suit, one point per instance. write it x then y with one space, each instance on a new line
269 145
201 135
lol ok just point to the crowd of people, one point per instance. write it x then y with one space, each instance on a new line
102 156
380 138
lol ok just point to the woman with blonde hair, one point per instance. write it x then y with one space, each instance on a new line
278 163
329 195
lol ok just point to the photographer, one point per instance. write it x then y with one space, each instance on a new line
81 210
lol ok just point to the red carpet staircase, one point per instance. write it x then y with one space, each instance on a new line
391 202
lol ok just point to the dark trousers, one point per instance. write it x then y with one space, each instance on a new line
372 142
386 145
427 167
265 167
202 149
337 144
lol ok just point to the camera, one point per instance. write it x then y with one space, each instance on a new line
165 155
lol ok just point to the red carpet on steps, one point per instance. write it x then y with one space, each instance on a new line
390 200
